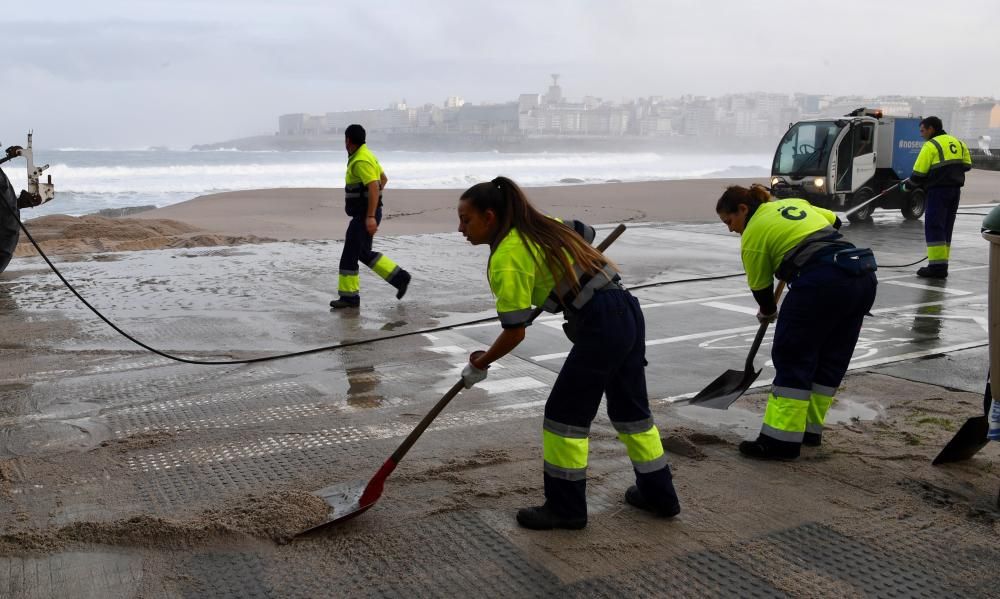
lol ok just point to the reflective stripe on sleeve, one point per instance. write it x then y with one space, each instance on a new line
517 318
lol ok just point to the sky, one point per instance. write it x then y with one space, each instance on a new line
135 73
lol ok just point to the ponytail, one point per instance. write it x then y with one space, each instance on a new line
735 195
558 243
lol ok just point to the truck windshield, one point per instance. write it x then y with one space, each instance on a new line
805 149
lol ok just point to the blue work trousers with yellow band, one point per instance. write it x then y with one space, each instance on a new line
939 222
608 357
358 247
817 329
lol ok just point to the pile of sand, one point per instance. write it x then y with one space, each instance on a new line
278 515
60 234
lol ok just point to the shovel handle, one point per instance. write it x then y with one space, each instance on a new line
426 421
407 443
763 329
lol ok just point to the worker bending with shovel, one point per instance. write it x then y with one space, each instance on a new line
533 259
831 287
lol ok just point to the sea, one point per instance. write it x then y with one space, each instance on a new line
91 180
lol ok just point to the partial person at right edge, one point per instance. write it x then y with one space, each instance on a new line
364 182
940 169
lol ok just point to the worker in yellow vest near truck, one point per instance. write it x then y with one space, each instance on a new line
831 288
364 183
940 169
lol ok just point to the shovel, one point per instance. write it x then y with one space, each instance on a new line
723 391
347 500
969 439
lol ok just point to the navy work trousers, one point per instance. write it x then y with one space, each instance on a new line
939 222
608 357
819 325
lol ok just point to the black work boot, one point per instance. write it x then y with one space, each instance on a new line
542 517
813 439
766 448
343 303
402 284
635 498
934 271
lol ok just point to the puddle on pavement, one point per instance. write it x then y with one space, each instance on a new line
50 437
747 423
362 383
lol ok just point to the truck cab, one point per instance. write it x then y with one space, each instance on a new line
838 163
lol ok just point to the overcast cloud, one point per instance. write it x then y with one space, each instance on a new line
111 73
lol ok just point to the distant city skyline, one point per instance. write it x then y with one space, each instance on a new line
551 113
116 73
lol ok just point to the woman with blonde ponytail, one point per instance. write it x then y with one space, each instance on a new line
831 287
536 260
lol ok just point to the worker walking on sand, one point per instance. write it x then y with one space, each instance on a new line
364 183
940 168
539 261
831 288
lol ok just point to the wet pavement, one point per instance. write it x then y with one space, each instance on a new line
95 429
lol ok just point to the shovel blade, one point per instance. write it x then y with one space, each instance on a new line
344 501
723 391
966 443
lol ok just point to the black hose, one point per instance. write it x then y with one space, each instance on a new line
327 347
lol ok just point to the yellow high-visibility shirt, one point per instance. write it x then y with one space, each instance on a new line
774 229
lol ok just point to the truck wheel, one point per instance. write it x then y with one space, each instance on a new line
865 214
914 205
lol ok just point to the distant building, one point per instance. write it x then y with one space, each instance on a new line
743 115
301 124
974 121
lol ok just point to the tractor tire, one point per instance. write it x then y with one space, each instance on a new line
915 205
865 214
9 215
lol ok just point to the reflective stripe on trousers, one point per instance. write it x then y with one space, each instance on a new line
564 449
642 441
348 283
785 416
382 266
820 401
939 223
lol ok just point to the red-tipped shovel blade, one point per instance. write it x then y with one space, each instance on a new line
347 500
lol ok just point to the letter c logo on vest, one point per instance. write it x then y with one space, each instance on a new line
953 148
793 213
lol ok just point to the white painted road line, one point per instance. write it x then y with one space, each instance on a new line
521 383
855 365
929 288
651 342
731 307
721 332
446 349
970 298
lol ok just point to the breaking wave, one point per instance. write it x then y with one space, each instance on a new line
89 180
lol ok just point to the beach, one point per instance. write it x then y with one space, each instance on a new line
289 214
